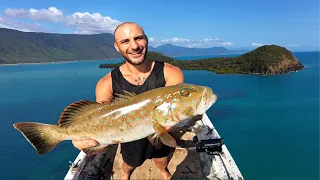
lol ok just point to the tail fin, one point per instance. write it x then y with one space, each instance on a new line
40 136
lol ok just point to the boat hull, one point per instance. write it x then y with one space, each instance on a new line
185 161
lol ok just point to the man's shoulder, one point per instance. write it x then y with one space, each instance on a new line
170 68
108 77
173 74
105 81
104 88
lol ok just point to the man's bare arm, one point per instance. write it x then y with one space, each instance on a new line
173 75
104 89
103 93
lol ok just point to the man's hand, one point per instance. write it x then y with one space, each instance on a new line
197 118
193 121
190 124
83 144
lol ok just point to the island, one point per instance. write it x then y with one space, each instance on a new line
267 59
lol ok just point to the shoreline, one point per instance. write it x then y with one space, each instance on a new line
120 58
54 62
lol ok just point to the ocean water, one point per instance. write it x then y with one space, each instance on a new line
270 123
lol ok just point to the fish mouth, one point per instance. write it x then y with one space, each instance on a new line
209 98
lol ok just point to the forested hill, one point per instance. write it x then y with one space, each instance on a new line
267 59
33 47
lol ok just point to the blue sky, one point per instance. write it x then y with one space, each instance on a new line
189 23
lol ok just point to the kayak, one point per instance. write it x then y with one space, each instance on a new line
201 153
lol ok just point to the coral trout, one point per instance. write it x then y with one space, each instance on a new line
128 118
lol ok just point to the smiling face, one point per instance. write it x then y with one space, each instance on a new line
131 42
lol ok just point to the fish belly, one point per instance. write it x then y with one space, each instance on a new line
126 135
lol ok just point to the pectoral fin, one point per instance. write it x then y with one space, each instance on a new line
155 141
96 149
164 136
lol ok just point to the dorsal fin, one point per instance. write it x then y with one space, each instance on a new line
121 98
131 94
73 111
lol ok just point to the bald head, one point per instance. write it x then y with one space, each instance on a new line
120 28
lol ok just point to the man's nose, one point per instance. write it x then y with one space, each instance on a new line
134 45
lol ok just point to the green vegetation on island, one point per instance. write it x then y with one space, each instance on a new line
267 59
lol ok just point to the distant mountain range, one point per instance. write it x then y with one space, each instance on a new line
172 50
36 47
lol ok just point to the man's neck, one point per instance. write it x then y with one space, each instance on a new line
145 67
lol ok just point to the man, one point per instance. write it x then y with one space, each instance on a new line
136 75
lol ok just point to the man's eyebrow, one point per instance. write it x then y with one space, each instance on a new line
123 40
139 36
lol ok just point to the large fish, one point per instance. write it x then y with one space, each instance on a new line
128 118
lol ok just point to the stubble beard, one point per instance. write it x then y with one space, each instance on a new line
136 63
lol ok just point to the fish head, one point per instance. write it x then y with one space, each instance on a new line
182 102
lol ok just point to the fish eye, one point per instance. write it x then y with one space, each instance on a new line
185 92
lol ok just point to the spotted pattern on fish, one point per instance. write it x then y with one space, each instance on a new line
188 111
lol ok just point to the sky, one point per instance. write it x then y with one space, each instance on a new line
188 23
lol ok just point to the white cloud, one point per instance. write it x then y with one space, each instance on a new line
83 22
256 44
186 42
294 45
15 12
208 40
86 23
4 20
151 39
52 14
5 26
21 26
226 44
175 40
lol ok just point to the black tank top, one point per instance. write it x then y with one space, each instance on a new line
154 80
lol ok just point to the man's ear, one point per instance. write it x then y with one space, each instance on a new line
146 38
116 46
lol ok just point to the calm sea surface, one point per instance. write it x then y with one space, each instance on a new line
270 123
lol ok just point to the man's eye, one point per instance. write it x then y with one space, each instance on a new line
139 37
124 42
